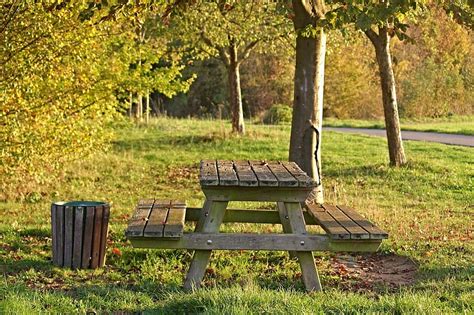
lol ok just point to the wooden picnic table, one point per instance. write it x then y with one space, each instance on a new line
281 182
160 223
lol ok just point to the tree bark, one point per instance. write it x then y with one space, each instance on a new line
305 141
381 42
235 94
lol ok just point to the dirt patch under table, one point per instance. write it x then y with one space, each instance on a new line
373 271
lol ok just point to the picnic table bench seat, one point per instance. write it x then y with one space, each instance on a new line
157 219
343 223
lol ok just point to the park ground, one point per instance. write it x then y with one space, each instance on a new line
426 207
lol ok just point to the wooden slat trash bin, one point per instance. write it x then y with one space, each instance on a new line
79 233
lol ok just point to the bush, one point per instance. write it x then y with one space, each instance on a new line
278 114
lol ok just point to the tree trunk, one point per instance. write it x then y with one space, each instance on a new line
389 95
130 113
305 141
235 94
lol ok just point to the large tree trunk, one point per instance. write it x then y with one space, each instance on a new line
235 94
381 43
306 123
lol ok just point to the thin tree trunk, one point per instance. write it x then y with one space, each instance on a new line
140 107
147 108
235 92
306 122
381 43
130 113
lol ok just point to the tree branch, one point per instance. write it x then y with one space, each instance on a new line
247 51
373 36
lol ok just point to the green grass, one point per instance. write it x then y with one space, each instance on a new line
463 125
427 208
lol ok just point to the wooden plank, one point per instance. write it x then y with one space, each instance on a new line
178 203
88 236
238 241
78 236
285 179
285 222
245 174
303 179
174 222
210 224
104 233
137 223
264 176
353 228
328 223
157 219
96 236
208 175
290 194
54 236
374 231
247 216
60 234
226 172
143 203
68 235
306 259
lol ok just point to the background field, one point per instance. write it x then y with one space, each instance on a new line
426 206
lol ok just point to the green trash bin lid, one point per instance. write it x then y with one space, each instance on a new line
77 203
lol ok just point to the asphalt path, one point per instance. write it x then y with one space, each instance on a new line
446 138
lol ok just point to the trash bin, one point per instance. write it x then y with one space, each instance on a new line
79 230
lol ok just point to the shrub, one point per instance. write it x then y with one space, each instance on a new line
278 114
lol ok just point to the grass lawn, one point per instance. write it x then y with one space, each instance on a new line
463 125
427 208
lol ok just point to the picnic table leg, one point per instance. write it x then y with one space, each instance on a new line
210 221
285 222
306 259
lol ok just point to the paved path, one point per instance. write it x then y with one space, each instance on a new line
445 138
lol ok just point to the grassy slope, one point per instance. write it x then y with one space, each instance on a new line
426 207
456 124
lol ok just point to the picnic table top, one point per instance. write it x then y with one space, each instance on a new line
250 173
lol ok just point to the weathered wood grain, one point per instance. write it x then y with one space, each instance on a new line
238 241
285 179
157 219
210 224
353 228
303 179
104 233
264 176
60 233
78 237
226 172
245 174
374 231
306 259
174 222
54 236
88 236
96 236
137 223
68 235
247 216
328 223
208 175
